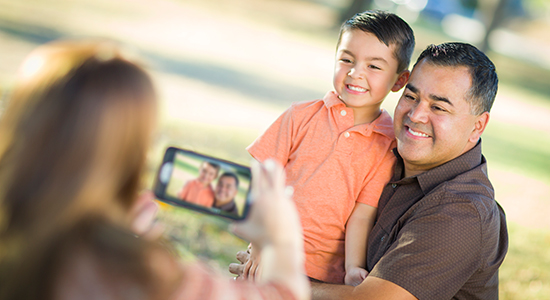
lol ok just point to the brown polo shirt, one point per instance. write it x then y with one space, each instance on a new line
440 234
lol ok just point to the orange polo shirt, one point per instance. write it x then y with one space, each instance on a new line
193 191
331 164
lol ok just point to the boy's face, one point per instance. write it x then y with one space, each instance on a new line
207 173
365 70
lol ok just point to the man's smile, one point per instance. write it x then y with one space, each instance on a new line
416 133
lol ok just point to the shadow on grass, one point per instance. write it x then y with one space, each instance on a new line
29 32
522 75
251 85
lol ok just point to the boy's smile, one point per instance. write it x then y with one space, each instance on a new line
365 71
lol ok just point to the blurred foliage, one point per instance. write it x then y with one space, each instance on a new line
202 237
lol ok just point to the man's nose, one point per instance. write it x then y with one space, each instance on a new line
419 113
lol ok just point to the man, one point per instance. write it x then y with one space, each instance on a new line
439 233
225 192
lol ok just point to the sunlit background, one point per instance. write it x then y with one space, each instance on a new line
225 69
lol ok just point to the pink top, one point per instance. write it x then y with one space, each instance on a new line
199 284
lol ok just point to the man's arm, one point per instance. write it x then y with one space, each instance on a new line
371 288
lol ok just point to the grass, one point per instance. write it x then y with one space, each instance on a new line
520 149
524 273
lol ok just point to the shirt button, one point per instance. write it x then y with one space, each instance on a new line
346 134
393 185
382 239
343 112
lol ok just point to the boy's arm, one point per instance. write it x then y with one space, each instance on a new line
357 230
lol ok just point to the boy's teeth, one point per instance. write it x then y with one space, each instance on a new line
357 89
417 133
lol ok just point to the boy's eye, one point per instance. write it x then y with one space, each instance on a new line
375 67
345 60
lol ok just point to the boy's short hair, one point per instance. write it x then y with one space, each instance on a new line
389 28
483 73
213 165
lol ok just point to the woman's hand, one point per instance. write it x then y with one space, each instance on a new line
142 217
274 229
273 218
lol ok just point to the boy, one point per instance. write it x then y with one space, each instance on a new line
199 191
337 151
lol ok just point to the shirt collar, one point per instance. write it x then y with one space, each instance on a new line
430 179
382 125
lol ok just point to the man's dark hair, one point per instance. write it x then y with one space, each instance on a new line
229 174
389 28
483 73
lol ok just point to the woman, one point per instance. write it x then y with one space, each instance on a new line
73 141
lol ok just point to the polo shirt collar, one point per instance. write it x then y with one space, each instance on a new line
382 125
445 172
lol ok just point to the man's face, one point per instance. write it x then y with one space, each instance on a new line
207 174
432 120
226 190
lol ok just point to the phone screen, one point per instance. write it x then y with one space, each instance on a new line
204 183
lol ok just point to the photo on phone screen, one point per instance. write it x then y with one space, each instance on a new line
203 183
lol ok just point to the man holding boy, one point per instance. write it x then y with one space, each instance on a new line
439 233
337 150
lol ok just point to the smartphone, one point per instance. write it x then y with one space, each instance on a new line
203 183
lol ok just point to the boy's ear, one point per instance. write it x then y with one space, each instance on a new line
401 81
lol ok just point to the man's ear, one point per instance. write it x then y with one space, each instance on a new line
479 126
401 81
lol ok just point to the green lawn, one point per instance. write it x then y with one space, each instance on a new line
524 275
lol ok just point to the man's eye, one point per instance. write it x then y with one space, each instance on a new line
409 97
438 108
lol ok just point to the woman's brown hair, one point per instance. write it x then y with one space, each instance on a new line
74 134
73 141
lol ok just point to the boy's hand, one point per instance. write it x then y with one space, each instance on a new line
238 268
249 268
355 276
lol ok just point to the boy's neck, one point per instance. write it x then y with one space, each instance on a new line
365 115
